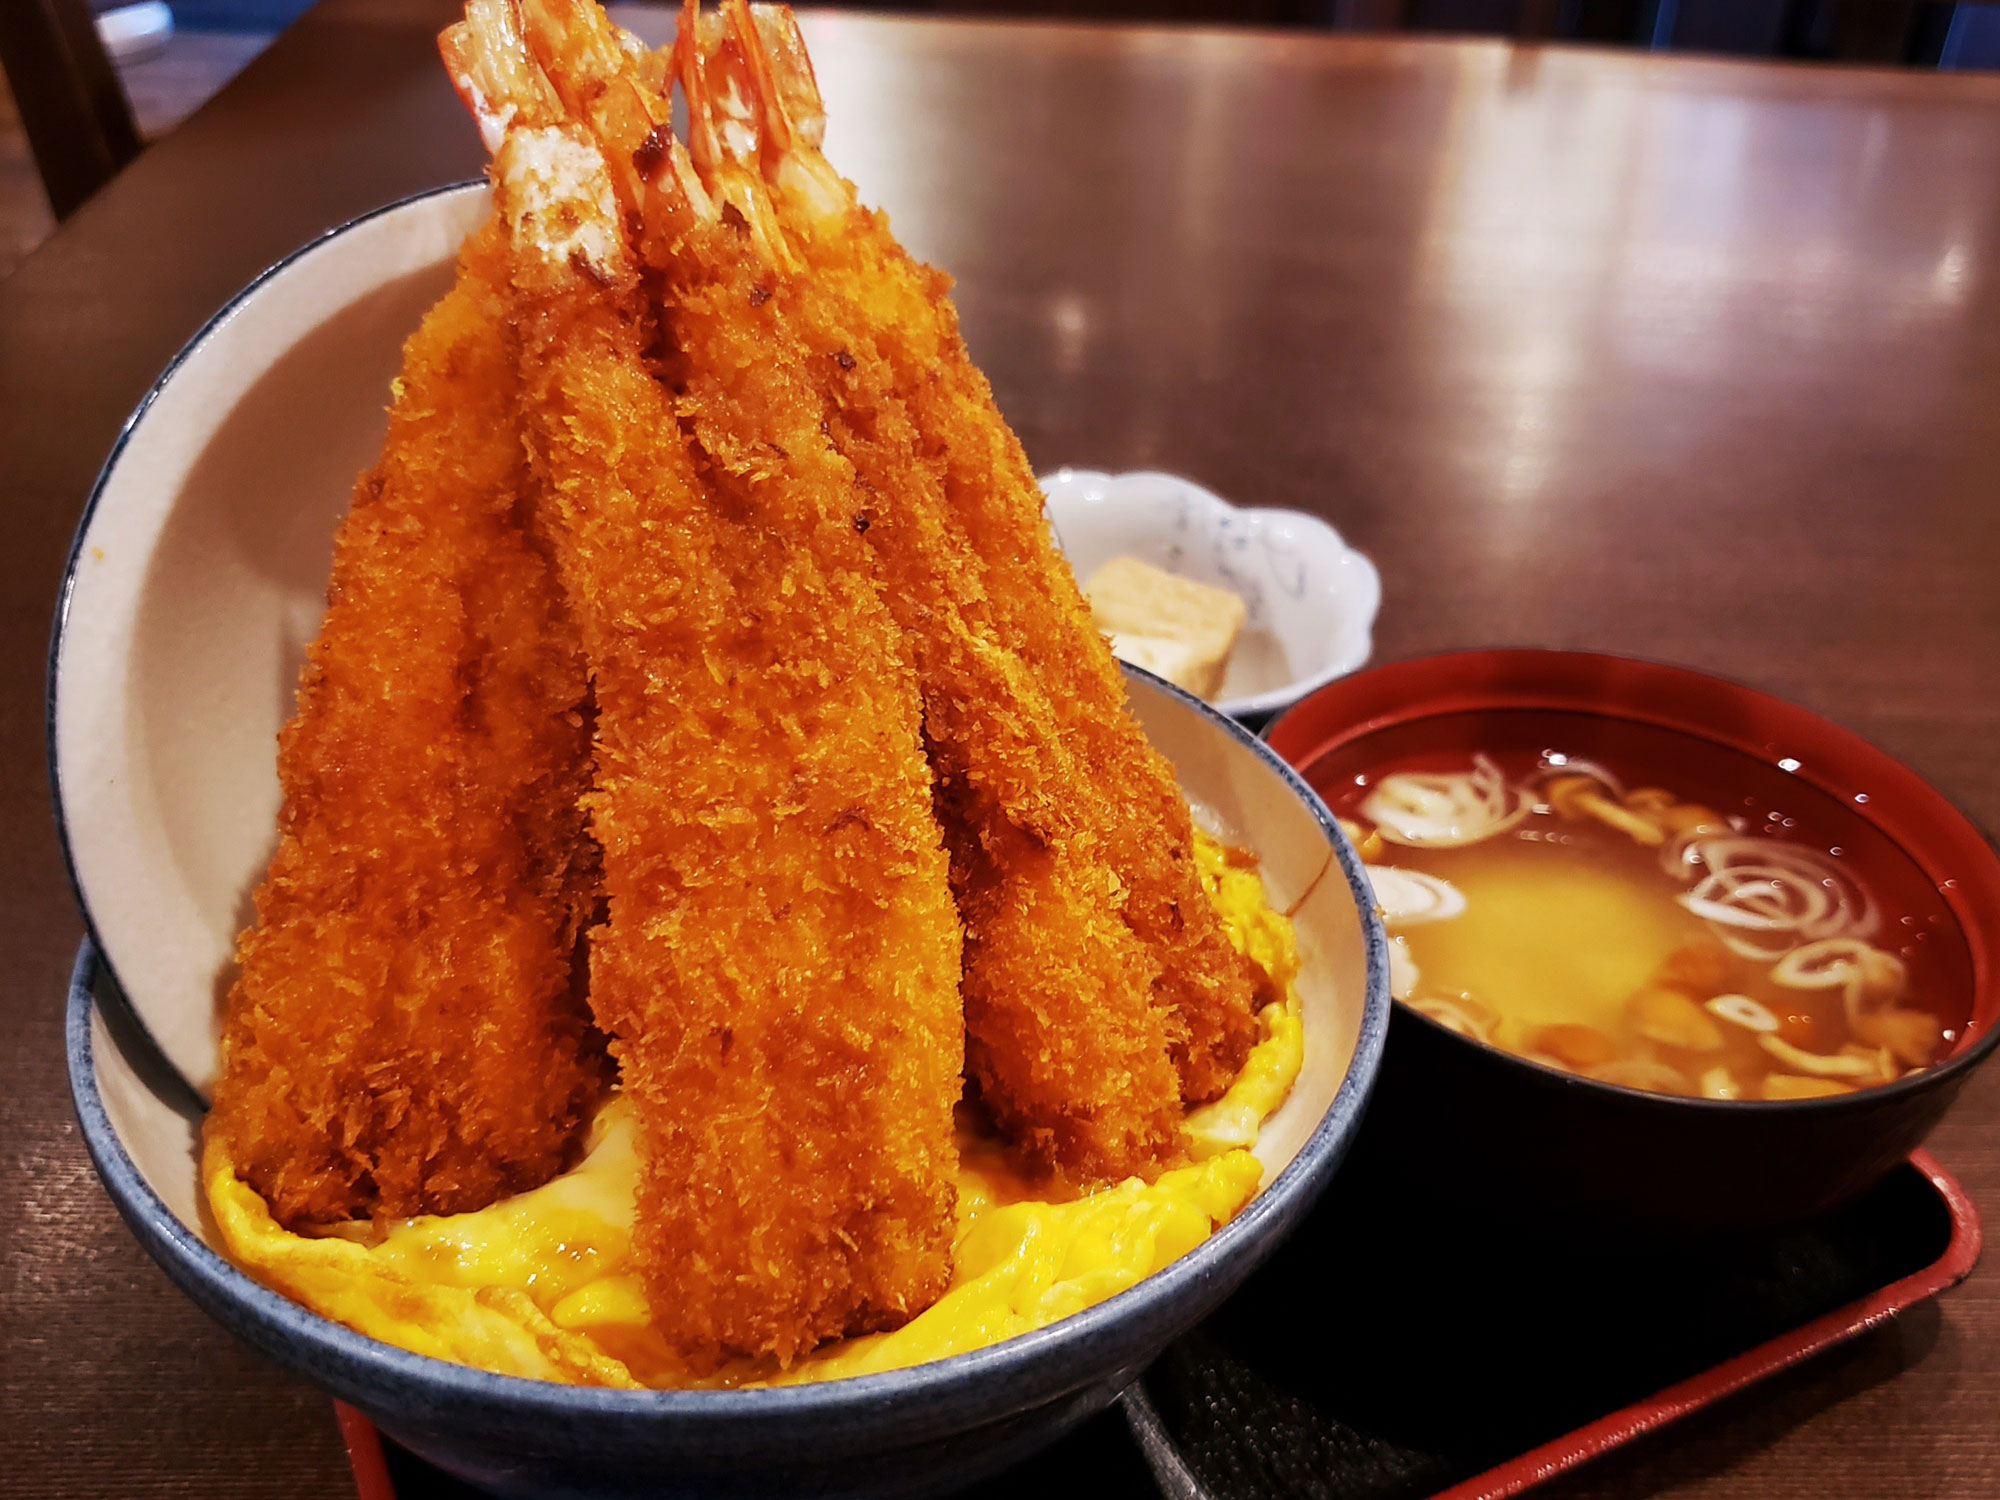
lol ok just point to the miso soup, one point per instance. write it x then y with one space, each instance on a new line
1648 908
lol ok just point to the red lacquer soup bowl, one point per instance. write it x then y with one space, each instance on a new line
1538 1145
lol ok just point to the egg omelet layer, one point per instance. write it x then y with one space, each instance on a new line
541 1284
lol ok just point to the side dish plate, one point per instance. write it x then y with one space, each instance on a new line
1311 598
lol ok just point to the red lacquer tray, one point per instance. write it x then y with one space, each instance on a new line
1920 1224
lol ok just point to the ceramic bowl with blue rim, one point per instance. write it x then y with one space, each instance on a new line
1309 598
196 583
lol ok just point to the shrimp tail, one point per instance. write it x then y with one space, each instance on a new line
775 126
579 51
487 58
704 139
594 70
782 95
795 116
724 129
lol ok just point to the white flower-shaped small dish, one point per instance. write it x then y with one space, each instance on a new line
1311 598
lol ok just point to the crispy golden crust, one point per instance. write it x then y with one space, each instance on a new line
405 1036
1069 1052
780 965
1030 715
1072 1071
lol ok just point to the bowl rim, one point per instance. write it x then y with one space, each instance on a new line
1279 699
59 630
1083 1346
1968 1055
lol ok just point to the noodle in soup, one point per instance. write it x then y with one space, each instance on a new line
1648 909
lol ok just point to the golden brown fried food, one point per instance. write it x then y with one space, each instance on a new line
1071 1062
1025 706
780 965
1063 1035
405 1036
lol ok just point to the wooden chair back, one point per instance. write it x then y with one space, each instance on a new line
72 106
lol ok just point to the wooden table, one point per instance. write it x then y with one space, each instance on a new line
1697 360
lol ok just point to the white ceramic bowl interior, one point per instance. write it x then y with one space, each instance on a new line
199 580
1311 599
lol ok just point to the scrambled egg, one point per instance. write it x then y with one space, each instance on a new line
540 1285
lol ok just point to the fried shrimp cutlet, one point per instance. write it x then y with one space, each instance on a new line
961 534
406 1035
779 965
1070 1052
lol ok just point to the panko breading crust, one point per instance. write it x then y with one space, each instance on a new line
779 969
695 519
407 1034
1053 794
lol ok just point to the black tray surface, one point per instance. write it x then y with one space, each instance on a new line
1392 1349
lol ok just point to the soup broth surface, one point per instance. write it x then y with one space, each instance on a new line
1584 929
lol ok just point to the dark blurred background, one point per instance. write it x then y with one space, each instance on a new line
1919 33
93 80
